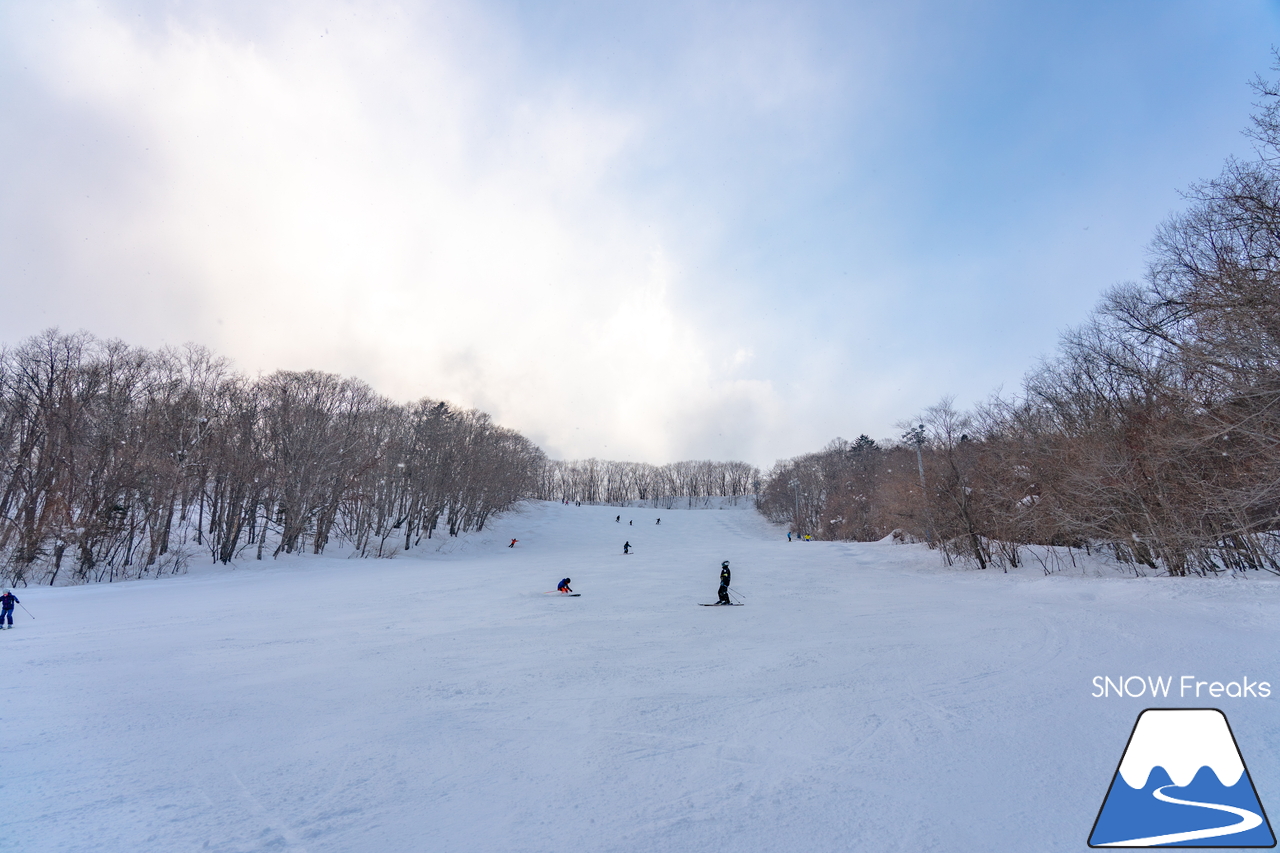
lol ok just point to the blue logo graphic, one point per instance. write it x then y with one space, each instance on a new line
1181 783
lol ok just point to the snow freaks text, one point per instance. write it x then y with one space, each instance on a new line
1179 687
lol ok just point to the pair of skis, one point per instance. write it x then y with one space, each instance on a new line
732 592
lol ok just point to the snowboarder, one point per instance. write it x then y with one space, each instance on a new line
626 547
563 586
513 543
6 607
724 583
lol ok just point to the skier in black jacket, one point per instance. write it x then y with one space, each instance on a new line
724 583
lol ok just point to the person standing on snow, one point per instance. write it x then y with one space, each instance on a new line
618 519
563 586
6 607
626 547
513 543
724 583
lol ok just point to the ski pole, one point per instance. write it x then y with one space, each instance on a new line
735 592
24 607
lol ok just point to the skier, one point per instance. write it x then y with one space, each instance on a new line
626 547
788 535
659 521
6 607
563 586
618 519
513 543
724 583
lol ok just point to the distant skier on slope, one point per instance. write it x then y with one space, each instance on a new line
563 586
513 543
659 521
618 519
6 607
724 583
626 547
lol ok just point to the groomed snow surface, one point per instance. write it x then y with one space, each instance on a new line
865 698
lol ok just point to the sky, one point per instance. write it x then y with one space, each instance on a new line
642 231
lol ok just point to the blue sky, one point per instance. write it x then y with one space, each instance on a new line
639 231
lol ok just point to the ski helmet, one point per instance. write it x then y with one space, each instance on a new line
725 564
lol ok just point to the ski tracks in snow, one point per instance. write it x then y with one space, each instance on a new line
276 830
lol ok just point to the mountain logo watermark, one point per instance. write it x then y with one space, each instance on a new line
1181 782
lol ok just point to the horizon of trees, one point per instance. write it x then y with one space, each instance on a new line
1153 432
117 462
598 481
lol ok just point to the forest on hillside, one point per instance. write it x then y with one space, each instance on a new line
119 462
1152 432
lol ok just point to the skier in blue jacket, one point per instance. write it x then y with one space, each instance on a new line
6 607
563 586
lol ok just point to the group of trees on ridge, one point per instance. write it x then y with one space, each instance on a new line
117 462
605 482
1154 431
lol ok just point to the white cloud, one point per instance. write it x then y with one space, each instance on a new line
347 192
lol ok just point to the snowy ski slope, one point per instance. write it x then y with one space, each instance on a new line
865 698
